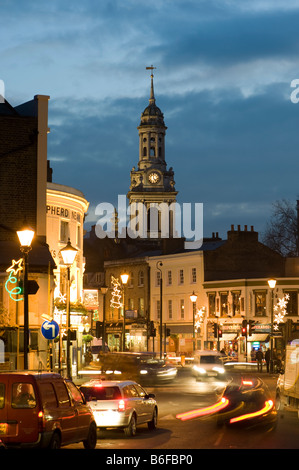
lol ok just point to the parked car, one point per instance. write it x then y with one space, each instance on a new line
144 368
287 388
208 364
120 404
43 410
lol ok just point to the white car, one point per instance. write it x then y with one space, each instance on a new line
117 404
208 364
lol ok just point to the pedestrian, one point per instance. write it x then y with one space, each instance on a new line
259 358
267 359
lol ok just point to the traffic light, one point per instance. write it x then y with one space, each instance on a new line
244 328
219 332
251 327
152 329
167 332
215 327
99 329
21 286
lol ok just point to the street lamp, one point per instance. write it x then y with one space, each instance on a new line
158 264
25 238
193 298
124 279
104 290
68 254
272 284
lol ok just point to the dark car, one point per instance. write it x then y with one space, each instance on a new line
248 403
144 368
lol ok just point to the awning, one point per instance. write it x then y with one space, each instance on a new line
180 329
228 336
262 337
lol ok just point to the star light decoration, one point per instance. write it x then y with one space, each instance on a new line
199 318
116 294
280 311
14 270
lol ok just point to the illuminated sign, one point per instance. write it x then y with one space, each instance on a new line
63 212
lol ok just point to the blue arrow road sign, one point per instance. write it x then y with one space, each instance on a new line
50 329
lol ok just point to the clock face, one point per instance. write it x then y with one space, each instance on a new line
154 177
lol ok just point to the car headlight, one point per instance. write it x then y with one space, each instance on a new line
220 370
143 372
200 370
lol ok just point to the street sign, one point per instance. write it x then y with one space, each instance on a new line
50 329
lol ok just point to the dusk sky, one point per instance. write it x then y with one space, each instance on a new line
223 81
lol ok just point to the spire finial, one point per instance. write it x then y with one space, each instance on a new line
152 96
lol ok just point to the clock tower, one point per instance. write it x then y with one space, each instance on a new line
152 184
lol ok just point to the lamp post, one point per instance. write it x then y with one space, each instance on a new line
104 290
25 238
124 279
272 284
68 254
159 263
193 298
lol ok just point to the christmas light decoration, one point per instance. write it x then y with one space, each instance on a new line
116 294
13 270
199 318
280 311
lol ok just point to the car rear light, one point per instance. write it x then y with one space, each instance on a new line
220 405
247 383
121 405
41 421
269 404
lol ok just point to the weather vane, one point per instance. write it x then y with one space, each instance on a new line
151 68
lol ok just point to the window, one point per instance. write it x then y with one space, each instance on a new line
48 395
101 393
181 276
223 304
193 275
236 297
182 308
260 304
62 394
23 395
76 395
64 231
158 278
131 279
212 304
292 305
130 391
170 309
169 277
141 307
140 390
79 236
141 278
